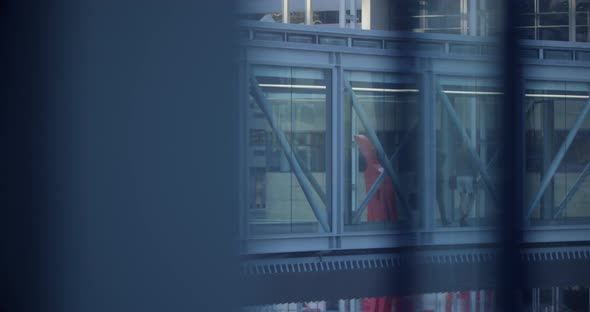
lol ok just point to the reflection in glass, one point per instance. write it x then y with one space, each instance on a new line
380 118
467 147
582 20
448 16
552 111
298 102
320 13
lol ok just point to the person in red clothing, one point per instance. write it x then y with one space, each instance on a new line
380 208
382 205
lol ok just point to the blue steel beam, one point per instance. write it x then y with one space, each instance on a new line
478 179
559 157
581 178
467 141
306 186
314 183
378 148
375 187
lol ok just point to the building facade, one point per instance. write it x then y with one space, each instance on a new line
372 134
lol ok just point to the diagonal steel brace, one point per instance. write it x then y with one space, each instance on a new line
559 157
579 181
314 183
375 187
378 148
474 157
306 186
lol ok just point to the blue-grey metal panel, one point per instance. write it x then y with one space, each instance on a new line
451 269
288 55
287 244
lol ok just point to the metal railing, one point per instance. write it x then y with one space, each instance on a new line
443 44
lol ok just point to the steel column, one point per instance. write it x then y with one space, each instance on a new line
337 135
260 99
559 157
308 11
342 13
548 128
572 20
285 11
427 163
472 11
352 14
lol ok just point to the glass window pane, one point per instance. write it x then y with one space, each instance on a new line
582 18
384 104
463 196
553 5
280 202
553 108
526 33
582 21
554 33
582 34
554 19
439 16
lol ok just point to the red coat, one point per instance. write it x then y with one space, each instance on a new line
382 205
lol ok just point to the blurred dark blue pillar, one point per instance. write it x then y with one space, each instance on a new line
119 132
512 187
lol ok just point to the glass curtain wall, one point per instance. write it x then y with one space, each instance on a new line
561 20
289 150
553 110
468 128
322 12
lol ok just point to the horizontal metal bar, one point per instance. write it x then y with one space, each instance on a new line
378 148
260 99
361 209
467 141
559 157
579 181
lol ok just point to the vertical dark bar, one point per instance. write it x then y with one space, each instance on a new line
512 188
401 12
19 217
